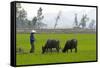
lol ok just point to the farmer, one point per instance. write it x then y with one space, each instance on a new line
32 39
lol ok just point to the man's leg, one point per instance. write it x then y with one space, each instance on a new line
32 48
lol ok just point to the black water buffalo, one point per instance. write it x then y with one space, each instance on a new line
51 44
70 44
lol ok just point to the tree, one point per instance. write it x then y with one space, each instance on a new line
57 18
21 17
92 24
22 14
34 21
39 18
18 7
76 21
84 19
29 24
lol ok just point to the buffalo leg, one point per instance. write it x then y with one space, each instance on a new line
64 50
43 50
47 49
57 49
67 50
51 49
71 50
75 49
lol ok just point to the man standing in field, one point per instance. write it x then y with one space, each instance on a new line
32 39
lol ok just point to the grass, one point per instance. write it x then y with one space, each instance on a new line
86 49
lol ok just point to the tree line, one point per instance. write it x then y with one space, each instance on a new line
37 23
83 22
23 22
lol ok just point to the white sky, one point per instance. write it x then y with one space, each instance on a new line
67 12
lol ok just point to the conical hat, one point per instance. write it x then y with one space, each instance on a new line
33 31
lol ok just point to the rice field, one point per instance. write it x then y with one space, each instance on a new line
86 49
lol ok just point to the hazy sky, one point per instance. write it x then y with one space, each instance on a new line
67 13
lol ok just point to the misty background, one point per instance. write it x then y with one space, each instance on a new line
41 16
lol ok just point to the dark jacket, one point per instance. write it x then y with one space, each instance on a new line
32 39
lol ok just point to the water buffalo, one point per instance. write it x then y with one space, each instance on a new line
51 44
70 44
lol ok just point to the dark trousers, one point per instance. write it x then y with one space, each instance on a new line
32 48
